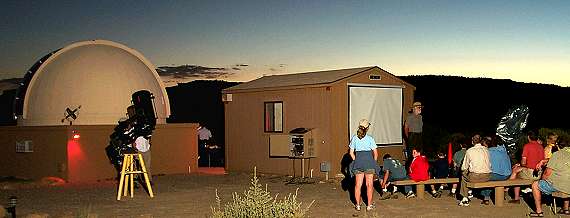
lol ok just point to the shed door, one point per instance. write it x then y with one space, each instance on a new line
382 106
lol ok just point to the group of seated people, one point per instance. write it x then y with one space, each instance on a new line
548 166
393 170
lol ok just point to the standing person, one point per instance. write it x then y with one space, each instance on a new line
413 128
500 165
363 153
204 137
476 167
530 166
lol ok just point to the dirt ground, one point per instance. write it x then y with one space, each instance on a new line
192 195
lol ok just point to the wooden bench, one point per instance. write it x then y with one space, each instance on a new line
557 195
499 187
420 189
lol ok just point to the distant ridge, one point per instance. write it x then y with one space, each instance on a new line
462 103
453 103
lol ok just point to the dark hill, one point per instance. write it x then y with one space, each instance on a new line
199 101
476 105
460 104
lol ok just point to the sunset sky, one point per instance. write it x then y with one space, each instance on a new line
526 41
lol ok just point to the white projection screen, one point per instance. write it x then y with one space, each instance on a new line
382 106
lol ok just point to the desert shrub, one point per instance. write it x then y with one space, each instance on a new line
258 202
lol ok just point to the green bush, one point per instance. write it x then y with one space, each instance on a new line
258 202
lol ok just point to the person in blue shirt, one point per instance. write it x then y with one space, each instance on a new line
363 153
500 165
393 171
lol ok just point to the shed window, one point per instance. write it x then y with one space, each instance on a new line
374 77
273 116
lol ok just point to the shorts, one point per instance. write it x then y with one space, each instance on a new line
546 187
368 171
526 173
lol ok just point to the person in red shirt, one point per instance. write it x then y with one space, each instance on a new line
530 165
419 168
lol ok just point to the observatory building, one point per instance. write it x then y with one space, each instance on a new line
69 104
95 77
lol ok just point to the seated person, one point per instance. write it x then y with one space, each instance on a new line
457 161
476 167
393 171
440 171
556 177
551 146
500 165
419 168
529 168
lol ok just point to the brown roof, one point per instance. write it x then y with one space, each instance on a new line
299 79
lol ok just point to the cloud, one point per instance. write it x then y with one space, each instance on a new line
193 72
242 65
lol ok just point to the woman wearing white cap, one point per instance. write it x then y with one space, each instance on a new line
363 152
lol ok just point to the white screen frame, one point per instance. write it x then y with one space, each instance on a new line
382 105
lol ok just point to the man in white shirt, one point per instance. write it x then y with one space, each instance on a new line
204 136
476 167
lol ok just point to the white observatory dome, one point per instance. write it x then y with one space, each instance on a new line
98 76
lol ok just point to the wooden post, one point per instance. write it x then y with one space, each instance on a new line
420 189
302 167
499 196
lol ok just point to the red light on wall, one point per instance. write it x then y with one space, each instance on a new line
76 135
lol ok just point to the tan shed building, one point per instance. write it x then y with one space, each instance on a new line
322 108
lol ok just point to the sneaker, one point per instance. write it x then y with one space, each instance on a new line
469 194
410 195
464 203
485 202
357 207
526 190
370 207
437 194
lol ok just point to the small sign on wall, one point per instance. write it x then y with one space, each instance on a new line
25 146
